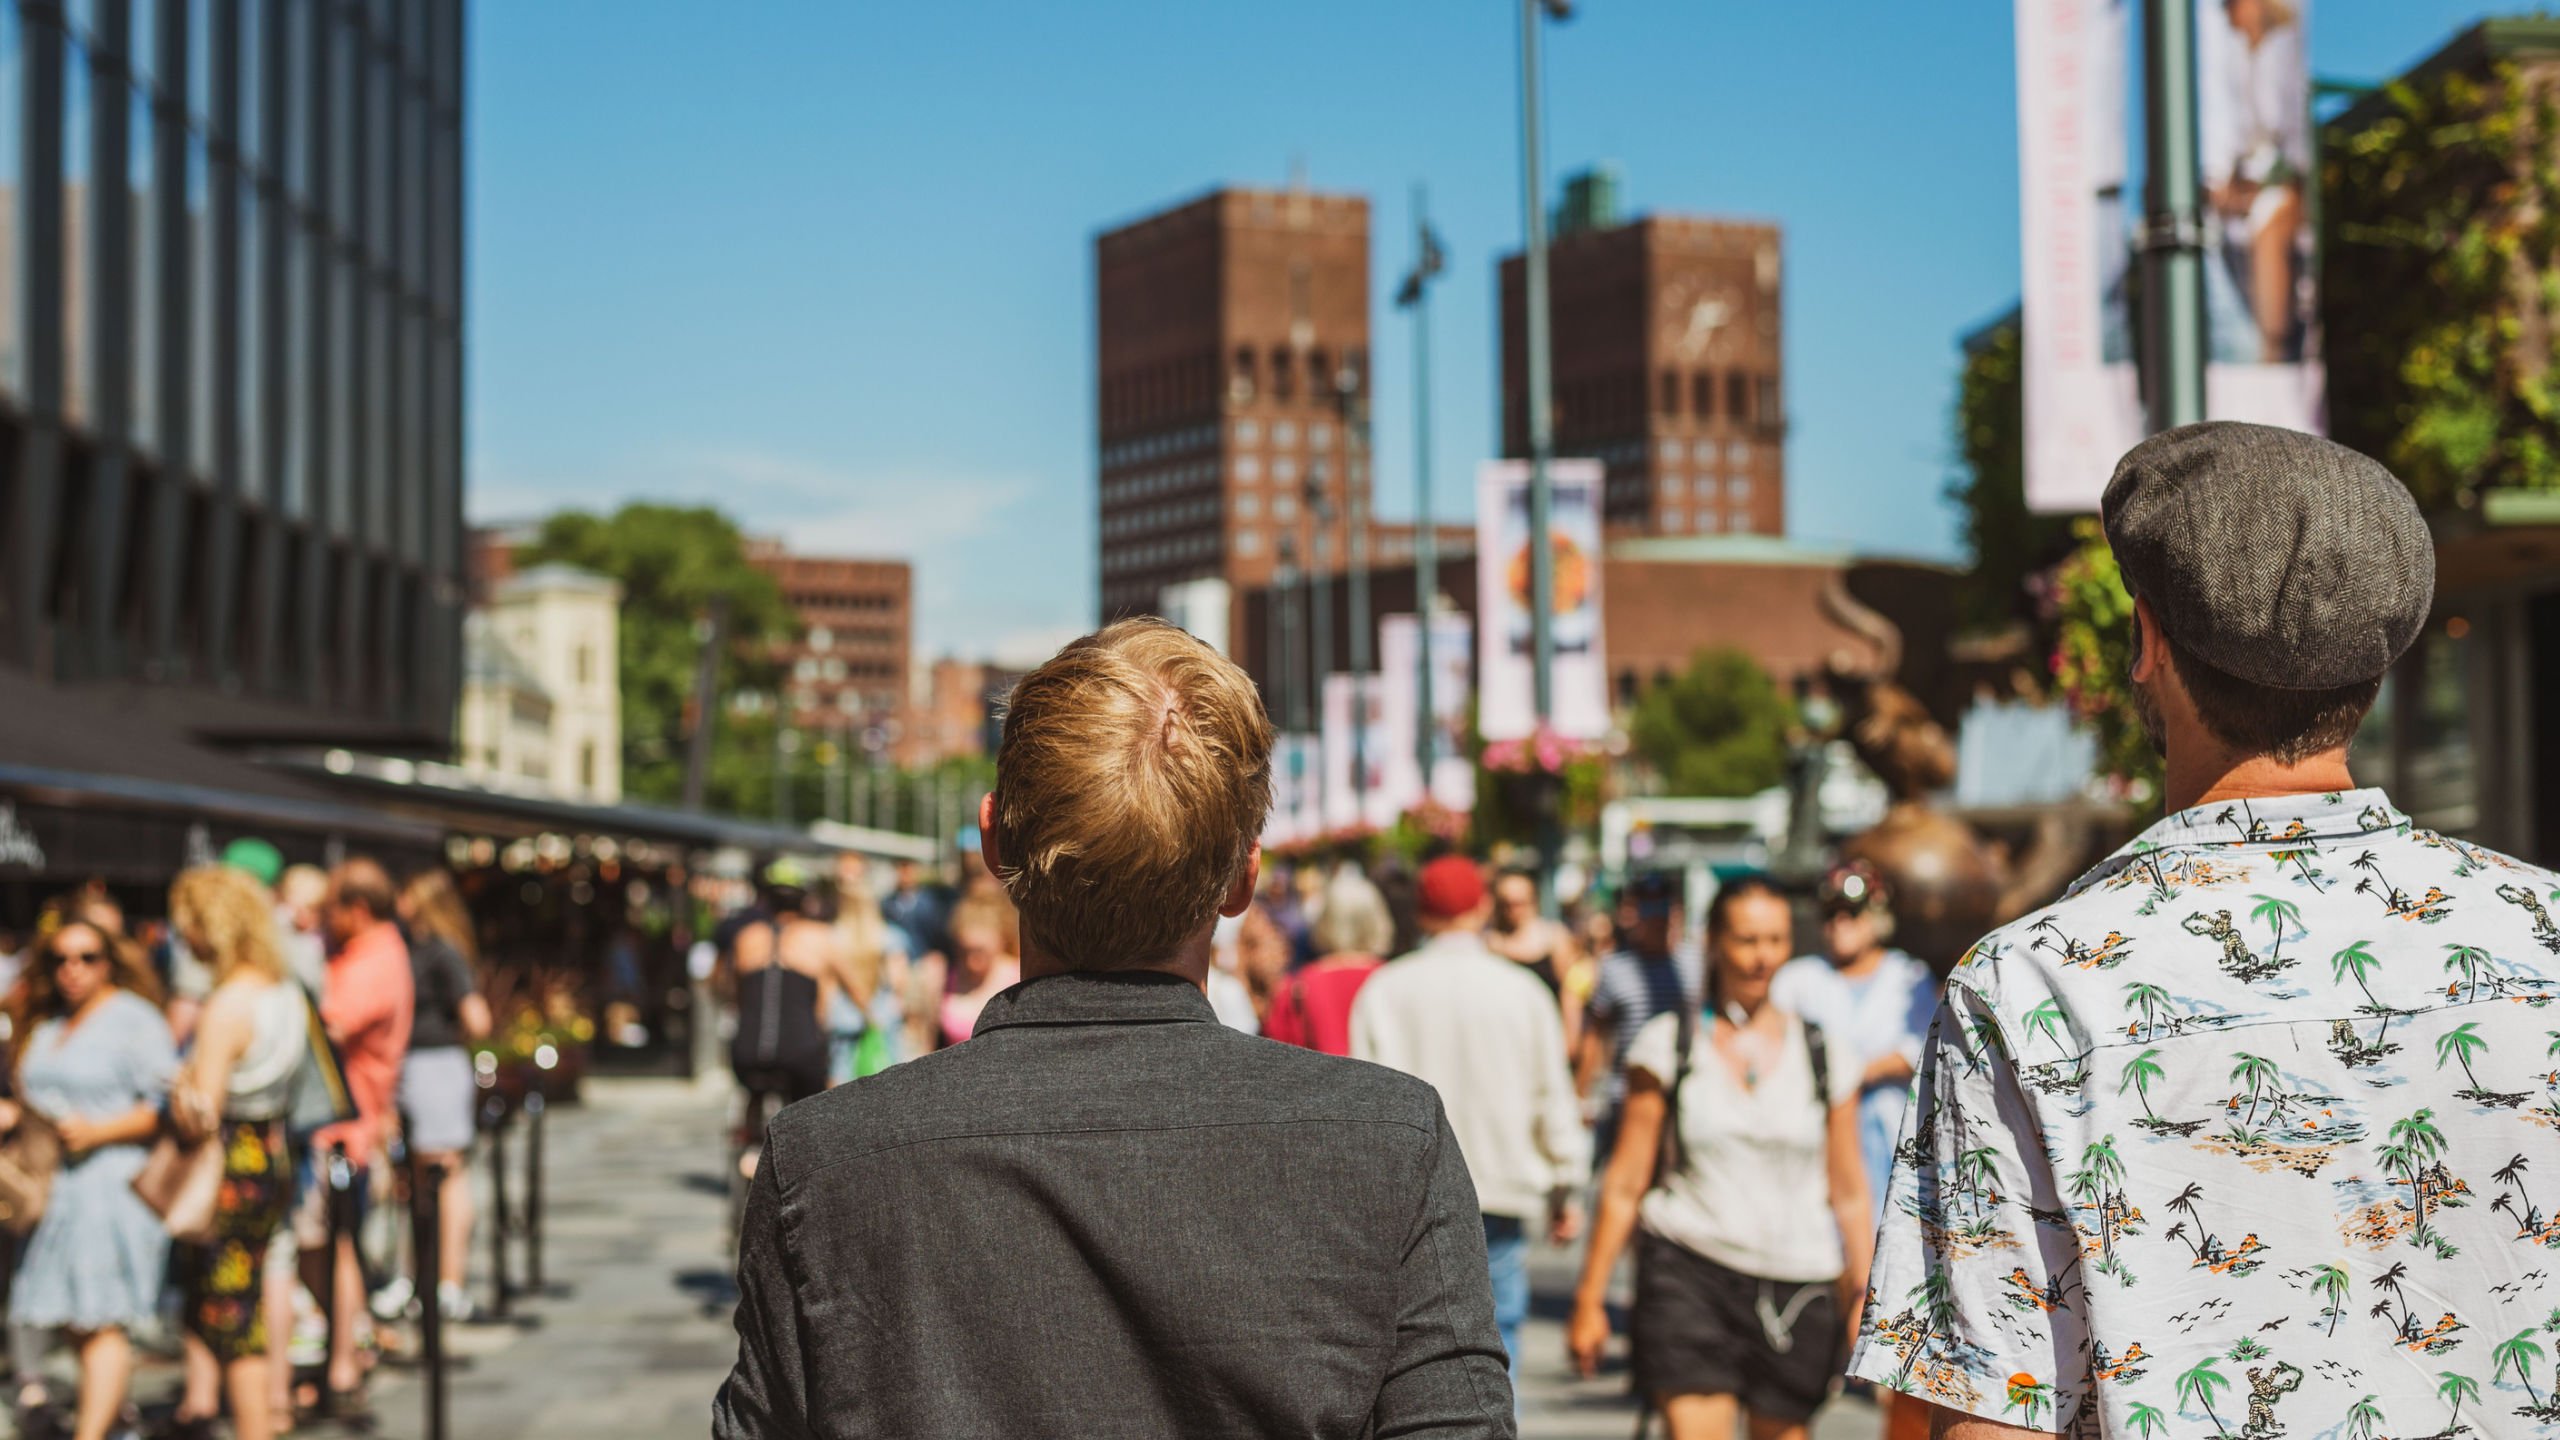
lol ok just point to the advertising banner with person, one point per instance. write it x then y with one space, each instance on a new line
1297 792
2262 304
1355 748
1453 780
1507 708
2083 396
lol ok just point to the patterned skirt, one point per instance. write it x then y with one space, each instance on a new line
222 1279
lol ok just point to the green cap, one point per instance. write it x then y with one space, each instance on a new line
260 859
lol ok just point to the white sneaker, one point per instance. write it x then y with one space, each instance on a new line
457 1304
392 1300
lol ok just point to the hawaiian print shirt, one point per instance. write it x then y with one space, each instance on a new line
2256 1132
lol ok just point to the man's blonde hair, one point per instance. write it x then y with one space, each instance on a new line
1131 786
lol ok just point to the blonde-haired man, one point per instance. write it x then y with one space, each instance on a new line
1105 1213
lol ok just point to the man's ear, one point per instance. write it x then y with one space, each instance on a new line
1239 896
2148 653
987 831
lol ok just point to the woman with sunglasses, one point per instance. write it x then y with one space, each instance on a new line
96 1063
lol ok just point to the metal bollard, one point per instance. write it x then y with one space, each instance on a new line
426 1249
534 1107
502 1294
338 1175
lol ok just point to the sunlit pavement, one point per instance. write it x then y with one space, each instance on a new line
633 1335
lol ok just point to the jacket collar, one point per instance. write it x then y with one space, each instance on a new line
1099 997
2277 823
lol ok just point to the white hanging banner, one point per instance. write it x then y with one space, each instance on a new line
1453 782
2083 400
1507 708
1355 750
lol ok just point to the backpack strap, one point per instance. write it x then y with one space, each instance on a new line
1672 1154
1818 1050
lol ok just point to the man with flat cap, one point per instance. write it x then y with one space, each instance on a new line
2237 1137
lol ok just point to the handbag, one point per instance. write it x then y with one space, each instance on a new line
29 1156
181 1179
320 1096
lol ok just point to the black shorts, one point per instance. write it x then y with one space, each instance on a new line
1698 1330
792 1082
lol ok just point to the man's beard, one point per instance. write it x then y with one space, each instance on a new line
2147 711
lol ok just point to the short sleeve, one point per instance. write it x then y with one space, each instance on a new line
150 1054
1973 1303
1847 1068
1657 1047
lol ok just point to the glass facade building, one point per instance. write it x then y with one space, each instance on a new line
231 356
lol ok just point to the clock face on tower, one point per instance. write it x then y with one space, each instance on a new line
1697 318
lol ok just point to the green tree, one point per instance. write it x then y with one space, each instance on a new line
2356 962
2279 914
2046 1019
2143 1070
2454 1389
2199 1385
2364 1419
2149 999
1717 728
2468 959
2008 542
2519 1355
672 562
2257 1072
2461 1043
2146 1420
2330 1283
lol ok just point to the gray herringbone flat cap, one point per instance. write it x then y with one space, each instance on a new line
2271 555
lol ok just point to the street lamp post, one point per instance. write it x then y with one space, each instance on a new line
1320 625
1293 690
2173 325
1542 560
1415 296
1355 447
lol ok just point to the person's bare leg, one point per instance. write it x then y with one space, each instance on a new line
2271 277
201 1399
248 1379
1699 1417
344 1372
1761 1427
453 1209
106 1371
277 1298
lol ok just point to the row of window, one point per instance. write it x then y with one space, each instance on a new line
1161 517
1736 489
1154 554
871 600
1284 433
1597 406
823 638
1159 482
344 161
833 670
1155 447
1250 372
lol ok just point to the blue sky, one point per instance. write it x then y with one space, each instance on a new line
828 265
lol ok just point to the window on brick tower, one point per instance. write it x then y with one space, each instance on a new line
1248 376
1319 373
1702 397
1669 401
1284 374
1737 398
1770 414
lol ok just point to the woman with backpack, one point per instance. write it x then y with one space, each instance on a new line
1738 1177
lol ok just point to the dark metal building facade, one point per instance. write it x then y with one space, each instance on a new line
231 358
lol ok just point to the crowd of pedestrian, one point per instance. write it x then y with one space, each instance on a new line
1941 1175
200 1108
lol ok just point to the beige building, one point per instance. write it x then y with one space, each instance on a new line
542 685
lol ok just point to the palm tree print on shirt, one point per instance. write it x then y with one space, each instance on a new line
2266 1111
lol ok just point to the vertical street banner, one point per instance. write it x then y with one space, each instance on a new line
1355 751
1452 780
2083 399
1296 792
1506 695
2254 143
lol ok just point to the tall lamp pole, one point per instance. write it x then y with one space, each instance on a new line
1320 624
2173 325
1415 296
1349 388
1542 560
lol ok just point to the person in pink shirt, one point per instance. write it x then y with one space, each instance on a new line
1312 1008
370 1000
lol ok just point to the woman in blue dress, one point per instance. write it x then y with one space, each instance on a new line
97 1064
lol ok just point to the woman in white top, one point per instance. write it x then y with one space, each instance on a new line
237 1085
1746 1198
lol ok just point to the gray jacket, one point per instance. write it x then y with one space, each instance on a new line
1108 1215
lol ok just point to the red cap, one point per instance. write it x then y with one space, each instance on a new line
1450 887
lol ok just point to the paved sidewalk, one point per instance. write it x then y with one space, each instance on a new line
634 1337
